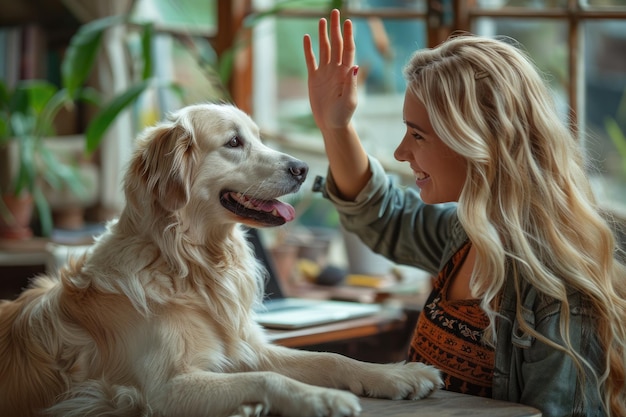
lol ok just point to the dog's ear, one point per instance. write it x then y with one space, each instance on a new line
165 165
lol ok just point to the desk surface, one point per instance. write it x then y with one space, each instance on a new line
343 330
445 404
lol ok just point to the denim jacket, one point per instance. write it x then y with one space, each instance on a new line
394 222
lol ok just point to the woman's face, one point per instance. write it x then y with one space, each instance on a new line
439 171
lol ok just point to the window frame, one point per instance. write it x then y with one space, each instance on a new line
460 15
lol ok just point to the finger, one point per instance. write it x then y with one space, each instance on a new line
336 41
323 42
309 55
348 44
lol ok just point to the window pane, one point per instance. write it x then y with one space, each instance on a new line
188 15
383 47
530 4
545 41
605 115
604 3
414 5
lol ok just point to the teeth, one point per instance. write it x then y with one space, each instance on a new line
420 175
244 200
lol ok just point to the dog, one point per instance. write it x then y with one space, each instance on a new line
157 318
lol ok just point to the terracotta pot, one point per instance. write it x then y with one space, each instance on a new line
17 224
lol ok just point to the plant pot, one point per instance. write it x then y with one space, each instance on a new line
15 224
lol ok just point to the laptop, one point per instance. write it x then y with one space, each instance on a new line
281 312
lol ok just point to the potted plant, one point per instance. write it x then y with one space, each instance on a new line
27 114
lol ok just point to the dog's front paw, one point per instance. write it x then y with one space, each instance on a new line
324 402
412 380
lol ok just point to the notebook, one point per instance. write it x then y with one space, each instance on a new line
281 312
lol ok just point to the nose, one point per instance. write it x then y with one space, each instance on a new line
399 153
298 170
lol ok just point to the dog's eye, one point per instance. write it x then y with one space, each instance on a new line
234 142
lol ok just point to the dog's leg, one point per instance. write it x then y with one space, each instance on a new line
411 380
249 394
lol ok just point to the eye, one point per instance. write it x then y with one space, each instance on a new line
417 136
235 142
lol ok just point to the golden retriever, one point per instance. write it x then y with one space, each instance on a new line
157 318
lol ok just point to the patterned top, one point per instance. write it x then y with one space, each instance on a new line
448 335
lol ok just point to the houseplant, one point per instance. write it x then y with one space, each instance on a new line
27 114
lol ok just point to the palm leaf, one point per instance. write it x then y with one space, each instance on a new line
103 120
82 52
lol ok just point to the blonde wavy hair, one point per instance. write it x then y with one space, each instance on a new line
527 205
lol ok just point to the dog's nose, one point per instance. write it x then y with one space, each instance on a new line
298 170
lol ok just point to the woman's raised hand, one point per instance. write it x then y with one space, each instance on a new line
332 81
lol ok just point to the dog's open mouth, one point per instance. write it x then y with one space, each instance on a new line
268 212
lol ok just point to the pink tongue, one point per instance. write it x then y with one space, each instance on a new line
284 210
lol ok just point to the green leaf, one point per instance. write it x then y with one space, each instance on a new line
31 96
107 115
90 95
58 173
22 125
146 50
616 135
226 65
45 123
4 96
44 212
5 130
82 52
336 4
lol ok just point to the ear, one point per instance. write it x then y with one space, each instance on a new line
165 165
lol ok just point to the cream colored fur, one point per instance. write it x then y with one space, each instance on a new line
156 320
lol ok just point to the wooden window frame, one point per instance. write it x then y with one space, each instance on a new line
573 14
231 14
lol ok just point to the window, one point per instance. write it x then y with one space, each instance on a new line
180 45
578 44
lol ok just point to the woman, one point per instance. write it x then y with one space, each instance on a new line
528 305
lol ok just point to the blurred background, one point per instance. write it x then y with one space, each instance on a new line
249 52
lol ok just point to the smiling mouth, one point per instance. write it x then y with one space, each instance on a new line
266 212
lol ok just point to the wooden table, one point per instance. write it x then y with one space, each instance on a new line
446 404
